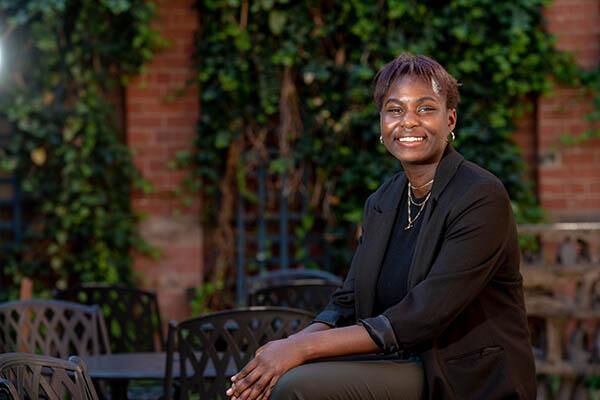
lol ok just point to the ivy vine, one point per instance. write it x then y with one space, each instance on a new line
62 62
297 76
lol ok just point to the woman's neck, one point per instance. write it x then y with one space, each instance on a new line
420 177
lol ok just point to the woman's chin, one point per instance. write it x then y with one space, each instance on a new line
411 156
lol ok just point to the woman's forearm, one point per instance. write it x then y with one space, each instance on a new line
314 327
334 342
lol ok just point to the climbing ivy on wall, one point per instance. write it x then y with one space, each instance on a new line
297 76
62 61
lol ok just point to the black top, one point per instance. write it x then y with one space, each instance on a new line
392 283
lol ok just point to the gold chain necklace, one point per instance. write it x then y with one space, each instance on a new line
421 205
419 187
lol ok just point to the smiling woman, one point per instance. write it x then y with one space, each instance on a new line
434 290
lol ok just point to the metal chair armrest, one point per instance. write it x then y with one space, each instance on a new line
7 390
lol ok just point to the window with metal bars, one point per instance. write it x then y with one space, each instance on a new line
11 229
266 225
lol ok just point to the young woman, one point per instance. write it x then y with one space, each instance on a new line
434 288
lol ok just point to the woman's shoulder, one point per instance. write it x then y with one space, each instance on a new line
472 178
476 174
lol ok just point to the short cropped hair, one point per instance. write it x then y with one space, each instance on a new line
418 66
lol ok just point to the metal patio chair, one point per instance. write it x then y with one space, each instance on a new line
33 376
304 295
53 328
213 347
8 390
287 276
132 315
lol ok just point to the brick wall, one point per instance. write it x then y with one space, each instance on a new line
568 177
159 125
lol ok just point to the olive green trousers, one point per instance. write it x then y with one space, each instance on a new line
348 380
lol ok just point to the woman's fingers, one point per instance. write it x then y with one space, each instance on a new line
231 391
245 371
250 380
262 390
264 395
242 380
267 392
255 391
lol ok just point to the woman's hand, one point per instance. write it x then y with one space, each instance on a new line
256 380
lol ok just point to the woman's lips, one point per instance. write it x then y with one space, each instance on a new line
409 140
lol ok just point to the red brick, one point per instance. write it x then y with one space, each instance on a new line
140 136
553 203
568 186
586 171
578 158
155 123
585 203
143 120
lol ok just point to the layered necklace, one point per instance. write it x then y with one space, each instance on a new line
411 202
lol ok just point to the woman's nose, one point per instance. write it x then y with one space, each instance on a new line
410 120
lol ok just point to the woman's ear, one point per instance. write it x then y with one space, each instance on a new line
451 118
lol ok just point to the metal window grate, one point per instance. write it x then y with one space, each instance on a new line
11 228
265 226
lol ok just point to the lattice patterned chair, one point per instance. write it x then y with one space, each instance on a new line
214 347
309 296
32 376
51 327
134 325
132 315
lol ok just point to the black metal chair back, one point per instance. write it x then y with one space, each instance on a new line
309 296
132 315
53 328
287 276
214 347
32 376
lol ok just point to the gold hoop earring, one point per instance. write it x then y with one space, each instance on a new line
452 136
380 139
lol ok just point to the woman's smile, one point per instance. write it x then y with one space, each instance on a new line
410 140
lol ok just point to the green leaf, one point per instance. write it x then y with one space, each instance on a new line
277 21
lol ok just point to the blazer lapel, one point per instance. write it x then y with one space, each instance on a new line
423 255
380 223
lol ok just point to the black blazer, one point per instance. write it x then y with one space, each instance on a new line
464 314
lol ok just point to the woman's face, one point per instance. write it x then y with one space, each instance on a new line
415 122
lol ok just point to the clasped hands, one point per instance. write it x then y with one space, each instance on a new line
258 378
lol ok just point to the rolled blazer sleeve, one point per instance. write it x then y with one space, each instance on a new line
381 331
469 254
340 311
